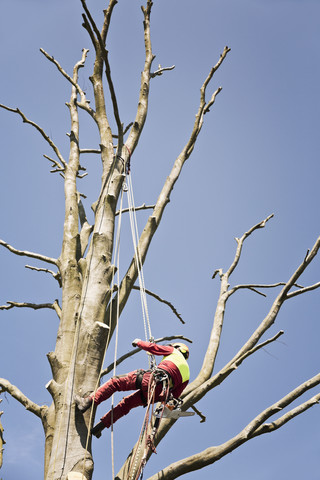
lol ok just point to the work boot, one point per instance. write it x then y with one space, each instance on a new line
97 429
83 403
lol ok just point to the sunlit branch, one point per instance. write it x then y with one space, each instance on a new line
56 275
35 306
303 290
141 207
56 164
25 253
254 287
84 103
104 53
62 164
6 386
193 394
278 302
278 406
142 108
161 70
254 428
270 427
90 150
241 240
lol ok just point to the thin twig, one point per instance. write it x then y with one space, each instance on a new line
142 207
161 70
41 131
56 275
25 253
200 414
254 287
241 240
154 295
35 306
84 103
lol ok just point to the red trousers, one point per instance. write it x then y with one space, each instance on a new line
123 383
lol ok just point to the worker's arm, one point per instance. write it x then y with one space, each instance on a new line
153 348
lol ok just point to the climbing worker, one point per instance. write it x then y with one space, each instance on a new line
173 367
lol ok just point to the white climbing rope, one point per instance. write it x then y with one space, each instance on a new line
138 260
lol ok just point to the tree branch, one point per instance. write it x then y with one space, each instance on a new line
200 414
62 164
276 424
254 287
154 295
142 207
36 306
194 393
254 428
84 103
24 253
160 71
56 275
104 53
90 150
241 240
142 109
6 386
303 290
280 299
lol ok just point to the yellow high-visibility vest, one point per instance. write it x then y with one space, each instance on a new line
178 359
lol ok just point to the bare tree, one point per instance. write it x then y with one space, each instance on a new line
91 304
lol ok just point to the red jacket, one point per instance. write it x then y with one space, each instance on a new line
173 363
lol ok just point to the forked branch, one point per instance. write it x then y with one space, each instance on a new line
254 428
84 103
241 240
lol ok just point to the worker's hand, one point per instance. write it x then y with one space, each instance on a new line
135 342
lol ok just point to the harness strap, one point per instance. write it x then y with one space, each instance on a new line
159 375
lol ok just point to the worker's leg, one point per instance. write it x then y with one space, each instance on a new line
120 383
116 384
123 407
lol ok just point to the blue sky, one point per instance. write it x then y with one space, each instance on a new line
258 153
